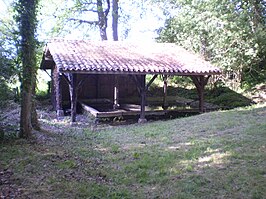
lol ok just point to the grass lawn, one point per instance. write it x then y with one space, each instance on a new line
212 155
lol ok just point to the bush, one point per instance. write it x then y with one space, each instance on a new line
5 92
226 98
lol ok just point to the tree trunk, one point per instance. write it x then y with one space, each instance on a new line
115 20
2 133
25 115
27 28
102 18
57 81
34 116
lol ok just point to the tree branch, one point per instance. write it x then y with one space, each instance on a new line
83 21
106 12
88 10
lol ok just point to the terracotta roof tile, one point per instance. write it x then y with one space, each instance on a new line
123 57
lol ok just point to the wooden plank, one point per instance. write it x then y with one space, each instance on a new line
191 110
130 107
134 112
117 113
91 110
73 96
96 101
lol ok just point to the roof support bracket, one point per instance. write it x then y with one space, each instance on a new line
151 81
137 79
200 82
66 78
140 81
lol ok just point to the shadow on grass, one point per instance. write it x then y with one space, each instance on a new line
224 97
212 155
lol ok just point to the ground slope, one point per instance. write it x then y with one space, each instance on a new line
212 155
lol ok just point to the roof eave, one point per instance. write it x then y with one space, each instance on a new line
47 60
141 73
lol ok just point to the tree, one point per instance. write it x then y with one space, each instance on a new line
115 20
102 16
9 61
230 34
85 16
27 25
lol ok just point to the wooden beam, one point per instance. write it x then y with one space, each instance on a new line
142 89
74 86
91 110
200 82
57 91
137 82
53 93
66 77
50 75
165 104
73 95
116 93
150 82
97 86
142 118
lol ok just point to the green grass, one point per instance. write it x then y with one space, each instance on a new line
212 155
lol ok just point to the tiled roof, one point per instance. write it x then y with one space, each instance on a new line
126 58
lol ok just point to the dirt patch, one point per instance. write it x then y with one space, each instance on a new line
9 189
258 93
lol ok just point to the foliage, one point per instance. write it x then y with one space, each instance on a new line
10 56
226 98
223 97
230 34
9 61
80 18
218 154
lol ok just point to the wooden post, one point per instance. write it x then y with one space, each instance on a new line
142 118
142 88
53 93
201 94
57 91
165 104
97 86
73 96
116 93
200 82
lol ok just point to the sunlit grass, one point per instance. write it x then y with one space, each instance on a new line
213 155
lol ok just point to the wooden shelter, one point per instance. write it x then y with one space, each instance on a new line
116 71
